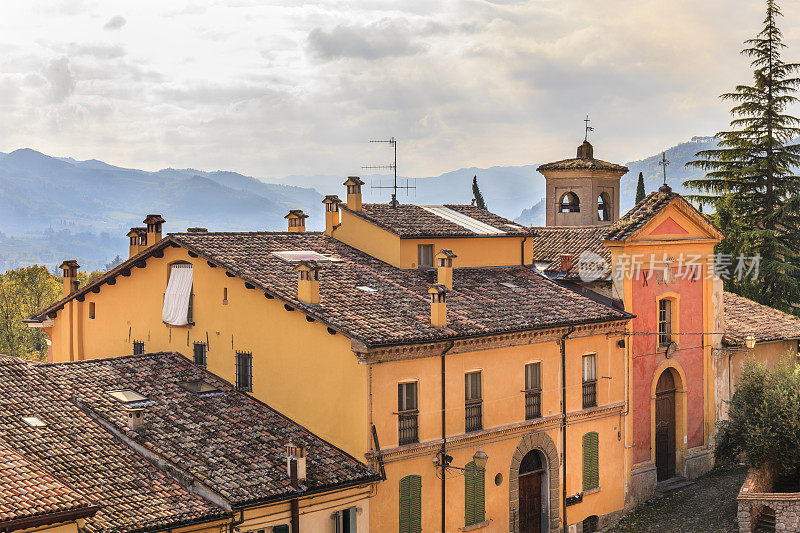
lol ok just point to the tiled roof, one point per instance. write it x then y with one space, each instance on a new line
228 441
29 494
640 214
580 163
398 311
743 317
414 221
77 450
550 242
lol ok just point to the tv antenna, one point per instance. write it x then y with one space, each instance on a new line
664 162
588 129
393 166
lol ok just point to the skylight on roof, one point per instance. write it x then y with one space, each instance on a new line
127 396
198 386
33 421
366 289
306 255
510 285
513 225
460 219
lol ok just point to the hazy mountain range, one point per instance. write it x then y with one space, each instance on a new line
53 208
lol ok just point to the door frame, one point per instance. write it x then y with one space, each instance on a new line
681 415
545 445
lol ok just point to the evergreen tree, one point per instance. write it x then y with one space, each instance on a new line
640 192
749 179
477 197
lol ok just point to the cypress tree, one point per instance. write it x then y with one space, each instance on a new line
640 192
749 178
477 197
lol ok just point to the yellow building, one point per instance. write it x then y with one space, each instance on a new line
418 337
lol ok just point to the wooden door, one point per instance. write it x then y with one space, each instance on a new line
665 426
530 502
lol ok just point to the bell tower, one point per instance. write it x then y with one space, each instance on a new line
582 191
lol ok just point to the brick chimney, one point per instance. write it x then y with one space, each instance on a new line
566 262
138 240
308 282
354 184
296 453
331 212
438 294
297 221
444 268
70 282
153 223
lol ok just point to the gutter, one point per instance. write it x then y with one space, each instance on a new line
50 518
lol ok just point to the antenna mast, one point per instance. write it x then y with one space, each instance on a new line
393 142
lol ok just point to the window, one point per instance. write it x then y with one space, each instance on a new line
569 203
283 528
225 296
407 411
664 322
92 310
200 354
138 347
533 391
589 381
345 520
178 296
474 494
244 371
473 401
424 255
591 461
411 504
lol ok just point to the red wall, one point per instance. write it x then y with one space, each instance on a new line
646 358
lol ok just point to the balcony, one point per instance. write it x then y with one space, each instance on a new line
533 404
408 427
589 394
474 416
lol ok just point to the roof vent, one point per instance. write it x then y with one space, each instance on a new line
127 396
366 289
566 262
297 256
198 386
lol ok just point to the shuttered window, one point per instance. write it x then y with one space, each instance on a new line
138 347
200 352
411 504
345 520
244 371
591 461
474 494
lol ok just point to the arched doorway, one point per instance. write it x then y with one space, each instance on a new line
665 426
533 493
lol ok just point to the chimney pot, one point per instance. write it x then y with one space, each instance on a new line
297 221
566 262
308 282
153 223
438 294
353 185
70 282
444 268
296 453
331 202
135 417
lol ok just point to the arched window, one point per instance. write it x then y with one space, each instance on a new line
591 461
603 207
569 203
474 494
411 504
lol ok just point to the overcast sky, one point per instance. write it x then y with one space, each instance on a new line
283 87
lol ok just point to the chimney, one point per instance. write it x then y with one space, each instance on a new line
138 240
331 213
444 268
297 221
296 453
308 282
566 262
70 282
153 223
354 184
135 417
438 294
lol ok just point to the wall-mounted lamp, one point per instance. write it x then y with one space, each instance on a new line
750 341
443 460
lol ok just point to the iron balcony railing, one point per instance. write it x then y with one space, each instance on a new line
408 428
474 415
589 394
533 404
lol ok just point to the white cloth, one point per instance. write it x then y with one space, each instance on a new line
176 298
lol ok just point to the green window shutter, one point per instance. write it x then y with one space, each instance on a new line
411 504
591 461
474 494
480 496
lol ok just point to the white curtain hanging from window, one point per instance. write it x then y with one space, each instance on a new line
176 298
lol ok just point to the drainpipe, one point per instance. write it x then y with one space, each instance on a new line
294 505
236 522
563 349
444 436
522 251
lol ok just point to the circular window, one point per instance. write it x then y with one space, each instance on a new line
498 479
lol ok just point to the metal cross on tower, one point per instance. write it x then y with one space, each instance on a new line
664 162
588 128
393 166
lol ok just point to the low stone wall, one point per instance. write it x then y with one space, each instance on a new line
754 497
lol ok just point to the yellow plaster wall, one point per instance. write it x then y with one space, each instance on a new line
63 527
368 238
298 367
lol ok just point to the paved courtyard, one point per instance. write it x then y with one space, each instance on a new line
709 505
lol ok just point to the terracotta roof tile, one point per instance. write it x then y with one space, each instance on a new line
743 317
640 214
550 242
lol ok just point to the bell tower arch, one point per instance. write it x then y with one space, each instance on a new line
582 191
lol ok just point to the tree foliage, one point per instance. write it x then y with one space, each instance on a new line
764 419
23 292
640 191
477 197
749 178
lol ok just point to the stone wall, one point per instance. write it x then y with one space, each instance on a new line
754 497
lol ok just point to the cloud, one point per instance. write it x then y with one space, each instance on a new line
59 76
115 23
97 51
386 38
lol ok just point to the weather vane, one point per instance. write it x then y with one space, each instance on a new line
664 162
588 129
393 142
